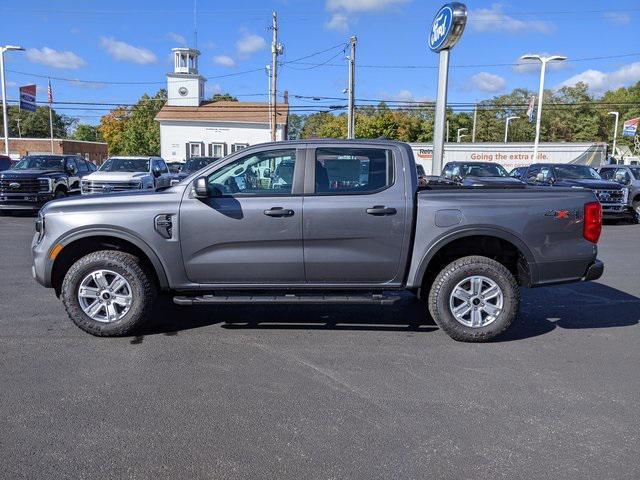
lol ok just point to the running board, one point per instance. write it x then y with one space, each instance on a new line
375 299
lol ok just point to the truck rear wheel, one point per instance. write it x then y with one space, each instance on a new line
474 299
108 293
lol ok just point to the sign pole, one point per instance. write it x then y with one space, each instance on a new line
446 30
440 113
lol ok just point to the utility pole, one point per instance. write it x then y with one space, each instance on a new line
276 49
475 117
447 133
615 132
351 121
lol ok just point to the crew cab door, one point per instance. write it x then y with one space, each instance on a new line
249 230
355 215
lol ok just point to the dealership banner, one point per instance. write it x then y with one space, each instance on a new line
28 98
514 154
630 127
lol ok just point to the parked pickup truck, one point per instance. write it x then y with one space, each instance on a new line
628 176
119 174
478 174
36 179
611 195
349 224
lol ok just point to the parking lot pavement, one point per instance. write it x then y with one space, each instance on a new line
323 392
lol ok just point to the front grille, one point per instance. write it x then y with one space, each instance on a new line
22 185
610 197
108 187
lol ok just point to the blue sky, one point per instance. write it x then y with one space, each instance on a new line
130 41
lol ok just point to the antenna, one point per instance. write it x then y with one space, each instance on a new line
195 23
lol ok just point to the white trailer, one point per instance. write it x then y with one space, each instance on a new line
514 154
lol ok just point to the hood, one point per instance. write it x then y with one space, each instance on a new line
30 173
115 176
591 183
497 181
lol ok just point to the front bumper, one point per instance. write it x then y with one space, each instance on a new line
612 212
24 201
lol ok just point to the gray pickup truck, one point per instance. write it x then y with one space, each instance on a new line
315 222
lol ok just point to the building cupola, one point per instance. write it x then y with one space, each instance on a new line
185 86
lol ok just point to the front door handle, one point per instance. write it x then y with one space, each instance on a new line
380 210
279 212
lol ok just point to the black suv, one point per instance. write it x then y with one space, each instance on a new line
194 164
612 196
36 179
478 174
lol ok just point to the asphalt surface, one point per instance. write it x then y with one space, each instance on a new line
323 392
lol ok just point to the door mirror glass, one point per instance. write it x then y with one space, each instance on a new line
156 171
200 187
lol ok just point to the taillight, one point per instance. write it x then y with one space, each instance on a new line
592 221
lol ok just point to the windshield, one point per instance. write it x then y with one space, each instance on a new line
195 164
483 170
39 163
576 172
125 165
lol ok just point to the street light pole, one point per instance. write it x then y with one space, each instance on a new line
506 127
615 132
458 136
5 121
543 60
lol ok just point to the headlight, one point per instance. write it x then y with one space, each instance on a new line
625 195
46 184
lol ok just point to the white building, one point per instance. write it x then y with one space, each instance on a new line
192 127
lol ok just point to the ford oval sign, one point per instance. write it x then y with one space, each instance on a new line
447 26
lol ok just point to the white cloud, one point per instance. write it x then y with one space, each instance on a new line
177 38
250 43
495 20
361 5
224 60
488 82
53 58
403 96
86 85
533 66
128 53
619 18
600 82
338 22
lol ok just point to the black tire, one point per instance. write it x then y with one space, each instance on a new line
60 193
636 212
456 272
143 290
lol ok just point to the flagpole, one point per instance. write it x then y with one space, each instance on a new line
50 94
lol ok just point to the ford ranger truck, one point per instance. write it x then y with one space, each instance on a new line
306 222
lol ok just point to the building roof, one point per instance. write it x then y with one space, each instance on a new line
225 111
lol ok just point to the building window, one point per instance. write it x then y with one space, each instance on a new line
238 146
194 149
217 149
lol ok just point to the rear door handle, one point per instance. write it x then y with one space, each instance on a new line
380 210
279 212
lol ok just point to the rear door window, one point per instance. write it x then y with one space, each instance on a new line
352 171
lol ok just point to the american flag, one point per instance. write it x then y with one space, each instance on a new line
50 93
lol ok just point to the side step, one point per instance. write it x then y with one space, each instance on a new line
333 299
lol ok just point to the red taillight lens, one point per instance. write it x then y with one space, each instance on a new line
592 221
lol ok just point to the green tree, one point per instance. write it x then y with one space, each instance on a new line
36 124
87 132
219 97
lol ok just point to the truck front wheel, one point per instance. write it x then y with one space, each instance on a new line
108 293
474 299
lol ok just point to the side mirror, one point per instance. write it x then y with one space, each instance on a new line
174 182
266 173
71 169
156 172
540 177
200 187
